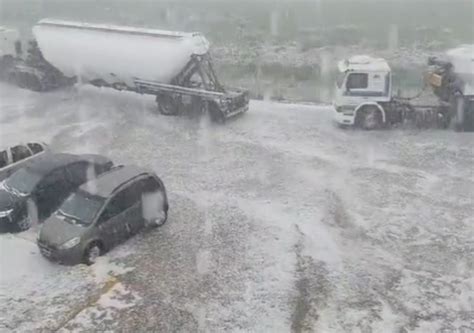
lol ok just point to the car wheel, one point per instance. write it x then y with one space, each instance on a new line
92 252
24 224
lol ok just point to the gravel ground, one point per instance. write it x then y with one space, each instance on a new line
279 222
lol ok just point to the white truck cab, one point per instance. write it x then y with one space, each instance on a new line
363 85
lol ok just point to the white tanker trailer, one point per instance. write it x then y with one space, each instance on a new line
176 67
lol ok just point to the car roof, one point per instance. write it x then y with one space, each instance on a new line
48 163
364 63
107 183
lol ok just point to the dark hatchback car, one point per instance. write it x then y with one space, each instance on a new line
103 213
32 193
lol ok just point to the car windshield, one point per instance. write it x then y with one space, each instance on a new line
81 208
22 182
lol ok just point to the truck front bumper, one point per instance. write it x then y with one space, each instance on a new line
344 118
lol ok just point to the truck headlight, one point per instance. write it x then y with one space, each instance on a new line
346 109
70 243
6 213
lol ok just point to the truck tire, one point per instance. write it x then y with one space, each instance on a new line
369 118
167 105
215 113
459 112
464 115
26 81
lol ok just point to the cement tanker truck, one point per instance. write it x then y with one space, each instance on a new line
175 67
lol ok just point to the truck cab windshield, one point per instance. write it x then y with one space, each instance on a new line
81 208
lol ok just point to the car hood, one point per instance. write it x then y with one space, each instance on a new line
56 231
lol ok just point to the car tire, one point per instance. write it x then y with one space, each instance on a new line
24 224
91 253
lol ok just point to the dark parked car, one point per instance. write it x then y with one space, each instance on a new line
14 158
103 213
35 191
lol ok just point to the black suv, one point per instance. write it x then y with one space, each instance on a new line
103 213
32 193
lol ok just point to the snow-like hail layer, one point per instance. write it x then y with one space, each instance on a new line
49 292
116 56
278 221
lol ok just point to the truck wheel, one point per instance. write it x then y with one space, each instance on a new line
167 105
216 114
464 115
91 253
26 81
369 118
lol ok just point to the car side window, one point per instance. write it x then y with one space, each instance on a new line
20 153
36 148
133 194
77 173
3 158
113 208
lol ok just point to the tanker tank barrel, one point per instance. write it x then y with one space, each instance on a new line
168 64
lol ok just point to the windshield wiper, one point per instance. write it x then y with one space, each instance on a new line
68 215
71 218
